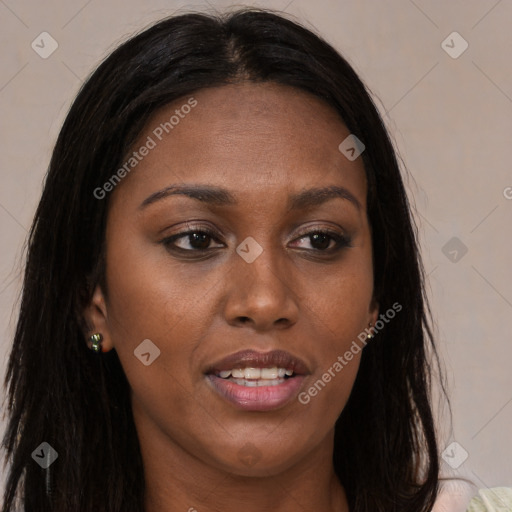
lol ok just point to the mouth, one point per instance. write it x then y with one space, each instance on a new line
257 381
256 377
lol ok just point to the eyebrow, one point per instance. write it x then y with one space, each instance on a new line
218 196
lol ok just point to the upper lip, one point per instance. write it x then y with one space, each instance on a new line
255 359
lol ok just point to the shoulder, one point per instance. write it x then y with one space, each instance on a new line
495 499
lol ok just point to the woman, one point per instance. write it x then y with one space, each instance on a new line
223 303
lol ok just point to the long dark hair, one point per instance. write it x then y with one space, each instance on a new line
61 393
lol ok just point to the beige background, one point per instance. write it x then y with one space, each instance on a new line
452 122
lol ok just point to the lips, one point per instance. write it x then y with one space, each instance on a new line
254 359
251 390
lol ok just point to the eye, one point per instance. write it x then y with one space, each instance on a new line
321 240
194 240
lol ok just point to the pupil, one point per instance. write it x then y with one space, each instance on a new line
200 240
324 238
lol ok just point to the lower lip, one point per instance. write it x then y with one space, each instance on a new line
262 398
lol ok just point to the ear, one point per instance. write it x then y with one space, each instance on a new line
96 318
373 312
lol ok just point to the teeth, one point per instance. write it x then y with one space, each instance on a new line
256 373
252 373
269 373
257 383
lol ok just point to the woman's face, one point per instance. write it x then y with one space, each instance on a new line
260 279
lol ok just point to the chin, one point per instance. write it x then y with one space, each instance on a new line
257 460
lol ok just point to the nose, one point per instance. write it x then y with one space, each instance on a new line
262 293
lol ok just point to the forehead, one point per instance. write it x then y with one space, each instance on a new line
254 139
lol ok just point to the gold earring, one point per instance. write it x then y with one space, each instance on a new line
96 340
370 336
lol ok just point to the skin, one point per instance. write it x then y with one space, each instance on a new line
262 142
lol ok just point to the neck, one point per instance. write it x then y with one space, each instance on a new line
177 481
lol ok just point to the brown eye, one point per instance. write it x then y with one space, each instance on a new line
197 240
321 240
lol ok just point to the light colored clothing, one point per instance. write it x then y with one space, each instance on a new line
496 499
461 495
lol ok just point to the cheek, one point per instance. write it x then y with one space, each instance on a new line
340 315
338 307
149 307
151 299
328 391
149 291
339 300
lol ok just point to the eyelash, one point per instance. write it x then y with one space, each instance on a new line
342 241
